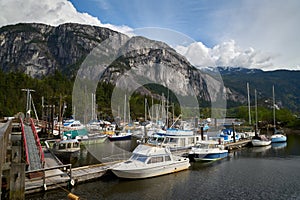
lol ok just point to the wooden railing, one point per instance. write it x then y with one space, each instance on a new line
25 142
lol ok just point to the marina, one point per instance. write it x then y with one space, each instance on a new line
95 104
97 162
248 173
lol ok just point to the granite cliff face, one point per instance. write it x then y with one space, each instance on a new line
38 50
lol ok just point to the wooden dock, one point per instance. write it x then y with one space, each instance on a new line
56 175
237 145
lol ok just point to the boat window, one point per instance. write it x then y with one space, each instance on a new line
69 145
156 159
62 146
167 158
191 140
140 158
76 144
173 140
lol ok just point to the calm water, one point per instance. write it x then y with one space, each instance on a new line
251 173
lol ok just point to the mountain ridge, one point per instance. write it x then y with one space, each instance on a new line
39 50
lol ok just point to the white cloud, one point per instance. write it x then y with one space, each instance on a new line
52 12
270 26
225 54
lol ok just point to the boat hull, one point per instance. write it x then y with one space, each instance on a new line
117 138
209 157
93 140
259 143
139 173
278 138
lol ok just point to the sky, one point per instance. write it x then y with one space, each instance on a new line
262 34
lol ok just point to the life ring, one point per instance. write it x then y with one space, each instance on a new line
72 182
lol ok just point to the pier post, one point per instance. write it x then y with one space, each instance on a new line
233 130
17 181
201 131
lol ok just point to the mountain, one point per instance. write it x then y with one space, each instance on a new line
40 50
286 83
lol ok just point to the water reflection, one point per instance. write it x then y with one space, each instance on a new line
279 145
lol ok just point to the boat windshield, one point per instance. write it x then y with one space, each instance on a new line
156 159
206 146
138 157
171 140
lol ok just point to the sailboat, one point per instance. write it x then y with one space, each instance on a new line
277 135
259 140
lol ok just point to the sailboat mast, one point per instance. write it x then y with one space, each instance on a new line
255 111
125 110
249 112
274 120
145 109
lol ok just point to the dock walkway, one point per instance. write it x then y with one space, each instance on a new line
34 156
237 145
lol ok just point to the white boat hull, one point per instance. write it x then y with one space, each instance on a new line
140 173
259 143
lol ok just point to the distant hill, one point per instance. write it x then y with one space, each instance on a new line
287 87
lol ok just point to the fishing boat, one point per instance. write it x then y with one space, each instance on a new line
209 150
260 140
150 161
65 148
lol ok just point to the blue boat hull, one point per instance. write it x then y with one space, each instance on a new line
117 138
210 157
279 139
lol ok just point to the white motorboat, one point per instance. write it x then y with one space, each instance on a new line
150 161
209 150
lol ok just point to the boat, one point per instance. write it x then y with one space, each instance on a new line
227 135
150 161
260 140
92 138
209 150
73 124
120 136
175 142
277 137
65 148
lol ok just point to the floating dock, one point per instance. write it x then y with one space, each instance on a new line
237 145
56 175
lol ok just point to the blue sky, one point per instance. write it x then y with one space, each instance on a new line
197 19
249 33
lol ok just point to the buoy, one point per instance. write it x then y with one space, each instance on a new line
45 187
73 196
72 182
